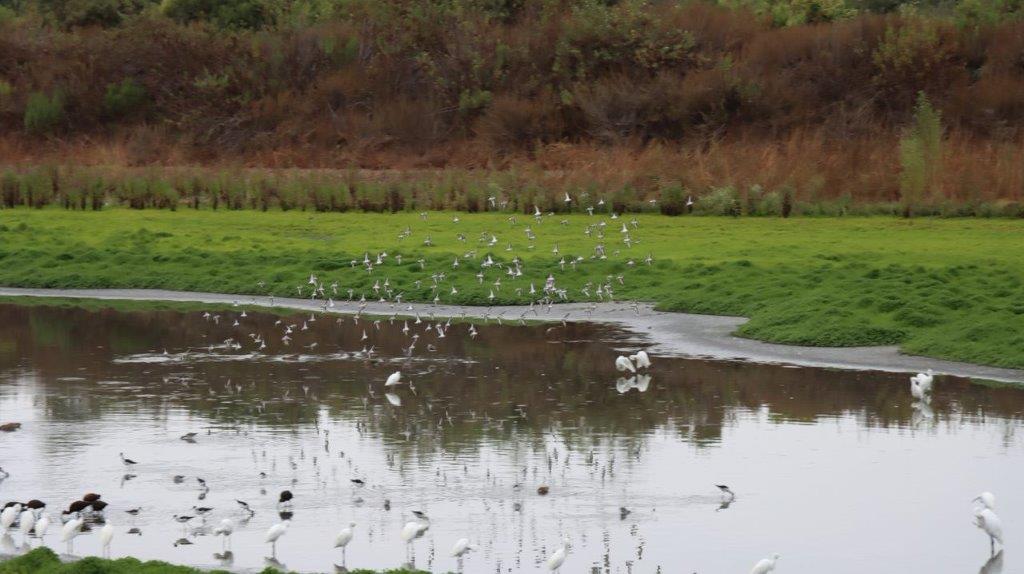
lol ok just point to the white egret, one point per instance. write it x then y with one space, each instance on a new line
924 380
623 364
343 538
765 565
42 525
71 529
461 547
106 536
9 515
225 529
26 522
917 390
274 532
989 522
987 500
394 378
556 560
414 529
641 359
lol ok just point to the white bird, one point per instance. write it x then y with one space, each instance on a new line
225 529
462 546
623 364
556 560
344 537
9 515
42 525
71 529
641 360
989 522
917 391
106 535
394 378
925 380
987 500
26 522
766 565
274 532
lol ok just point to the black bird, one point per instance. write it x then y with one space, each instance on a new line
201 510
178 479
624 512
189 436
358 482
133 511
99 505
91 497
202 483
78 506
245 507
419 514
286 496
127 461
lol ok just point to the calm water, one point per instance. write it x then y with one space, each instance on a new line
836 471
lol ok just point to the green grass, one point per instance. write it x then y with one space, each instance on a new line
945 288
44 561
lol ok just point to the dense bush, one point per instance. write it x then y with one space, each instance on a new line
44 114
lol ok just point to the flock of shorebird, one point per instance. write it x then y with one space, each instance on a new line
31 519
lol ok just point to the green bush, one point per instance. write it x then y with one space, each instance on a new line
44 114
232 14
124 99
721 201
920 155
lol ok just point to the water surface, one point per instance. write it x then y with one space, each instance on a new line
831 469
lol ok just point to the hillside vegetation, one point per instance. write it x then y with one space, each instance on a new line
819 99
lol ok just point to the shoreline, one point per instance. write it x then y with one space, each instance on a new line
667 333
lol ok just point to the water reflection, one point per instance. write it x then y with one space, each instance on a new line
235 407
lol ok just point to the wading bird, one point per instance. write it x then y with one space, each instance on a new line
225 529
71 529
274 532
765 565
556 560
989 522
106 536
343 538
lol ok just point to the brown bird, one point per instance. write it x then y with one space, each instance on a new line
542 490
91 497
10 427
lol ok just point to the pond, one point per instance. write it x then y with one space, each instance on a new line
836 471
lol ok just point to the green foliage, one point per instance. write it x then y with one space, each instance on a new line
796 12
44 114
44 561
124 99
920 154
987 13
230 14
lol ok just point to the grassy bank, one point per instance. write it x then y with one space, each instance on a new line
44 561
943 288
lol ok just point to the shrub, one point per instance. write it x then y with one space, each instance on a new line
672 200
44 114
123 99
721 201
920 154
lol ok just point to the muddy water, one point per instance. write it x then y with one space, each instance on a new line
836 471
